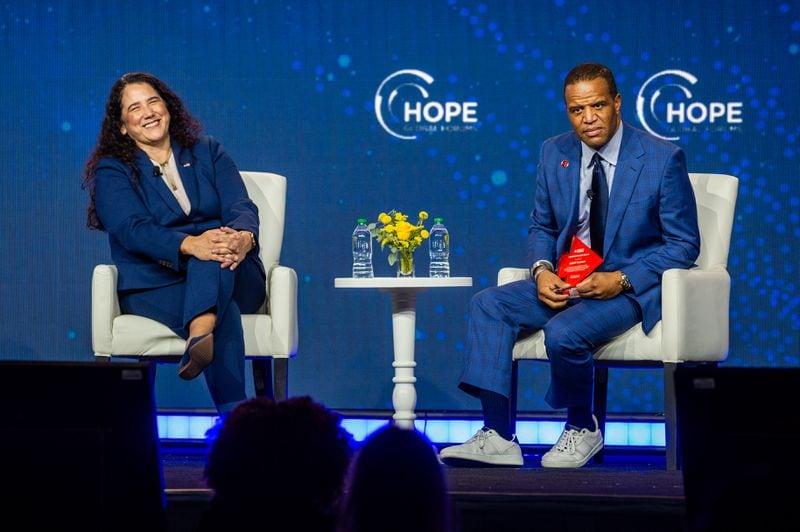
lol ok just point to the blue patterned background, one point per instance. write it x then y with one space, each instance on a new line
289 87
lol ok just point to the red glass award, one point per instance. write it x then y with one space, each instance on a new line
577 264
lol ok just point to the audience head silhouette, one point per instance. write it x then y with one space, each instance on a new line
395 483
278 465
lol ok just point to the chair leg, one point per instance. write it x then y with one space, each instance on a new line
600 404
271 377
280 382
262 377
671 417
512 398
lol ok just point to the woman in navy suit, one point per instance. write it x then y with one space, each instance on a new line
183 232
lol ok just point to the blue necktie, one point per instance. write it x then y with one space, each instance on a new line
599 206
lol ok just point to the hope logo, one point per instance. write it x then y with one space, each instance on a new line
666 105
404 107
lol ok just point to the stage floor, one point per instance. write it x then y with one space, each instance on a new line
627 492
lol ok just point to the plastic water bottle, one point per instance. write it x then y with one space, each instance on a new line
362 250
439 250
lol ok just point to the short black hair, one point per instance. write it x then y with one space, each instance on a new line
590 71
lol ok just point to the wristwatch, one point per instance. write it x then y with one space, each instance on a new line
538 267
253 242
624 282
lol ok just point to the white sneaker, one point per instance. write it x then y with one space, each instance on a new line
574 448
487 447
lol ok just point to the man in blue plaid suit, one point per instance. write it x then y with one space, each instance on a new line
648 225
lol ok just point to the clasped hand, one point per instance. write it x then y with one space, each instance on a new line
598 285
224 245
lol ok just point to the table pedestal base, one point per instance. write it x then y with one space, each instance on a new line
404 395
404 317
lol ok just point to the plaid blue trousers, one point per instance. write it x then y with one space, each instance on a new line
496 316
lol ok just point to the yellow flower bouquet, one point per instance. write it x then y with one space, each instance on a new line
393 230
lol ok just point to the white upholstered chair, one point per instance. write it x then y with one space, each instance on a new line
694 306
270 335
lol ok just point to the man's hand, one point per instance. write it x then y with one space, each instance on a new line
600 285
549 286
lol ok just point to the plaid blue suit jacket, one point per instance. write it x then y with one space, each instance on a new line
652 214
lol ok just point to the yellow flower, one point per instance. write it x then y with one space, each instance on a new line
393 230
404 230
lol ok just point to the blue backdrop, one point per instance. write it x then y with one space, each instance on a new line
371 105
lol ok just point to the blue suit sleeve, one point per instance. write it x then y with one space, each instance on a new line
680 234
237 209
543 231
127 220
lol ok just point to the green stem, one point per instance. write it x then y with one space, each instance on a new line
406 262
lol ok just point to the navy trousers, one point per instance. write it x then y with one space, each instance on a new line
496 316
208 288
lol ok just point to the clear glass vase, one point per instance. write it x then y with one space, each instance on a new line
405 264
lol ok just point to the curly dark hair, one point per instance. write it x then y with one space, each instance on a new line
183 128
285 459
590 71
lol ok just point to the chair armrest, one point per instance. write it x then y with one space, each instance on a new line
105 307
282 308
509 275
695 314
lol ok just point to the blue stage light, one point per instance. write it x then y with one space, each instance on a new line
441 431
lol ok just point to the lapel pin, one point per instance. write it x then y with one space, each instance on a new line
564 163
187 165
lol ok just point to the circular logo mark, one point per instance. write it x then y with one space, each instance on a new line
647 114
387 96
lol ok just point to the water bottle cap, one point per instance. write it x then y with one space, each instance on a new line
438 220
362 220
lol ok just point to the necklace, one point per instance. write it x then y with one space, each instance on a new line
166 174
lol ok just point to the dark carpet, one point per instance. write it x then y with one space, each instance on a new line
627 492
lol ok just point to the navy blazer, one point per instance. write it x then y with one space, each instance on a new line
145 223
651 224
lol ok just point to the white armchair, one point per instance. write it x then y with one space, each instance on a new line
694 306
270 335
